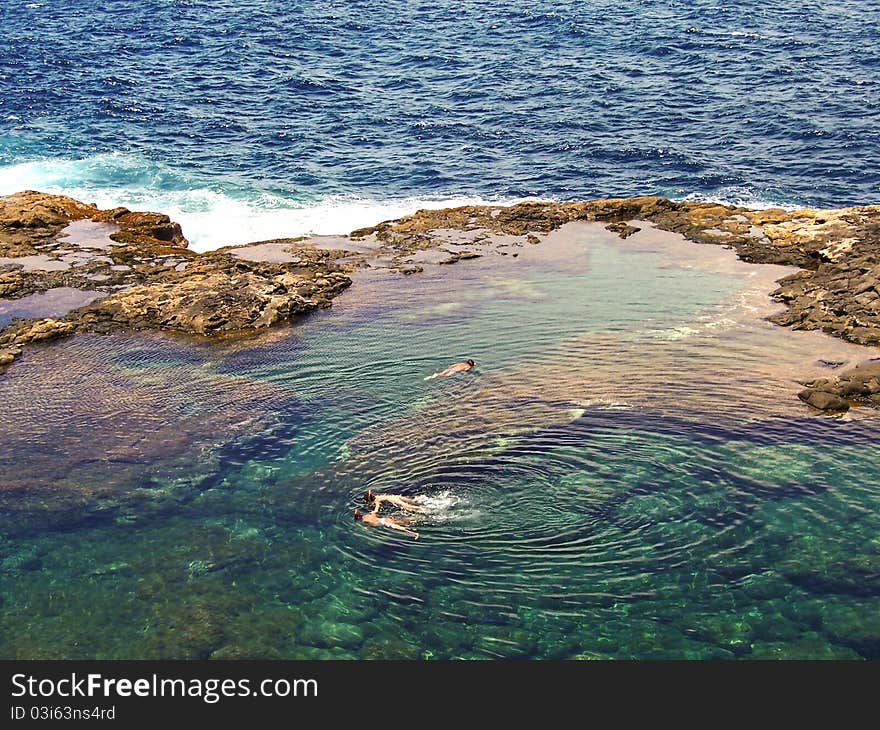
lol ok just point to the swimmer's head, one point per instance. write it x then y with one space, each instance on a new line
470 362
357 514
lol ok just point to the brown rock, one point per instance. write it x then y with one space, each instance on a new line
43 329
624 230
824 401
218 293
32 209
213 293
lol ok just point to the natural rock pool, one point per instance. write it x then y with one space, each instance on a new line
627 473
50 303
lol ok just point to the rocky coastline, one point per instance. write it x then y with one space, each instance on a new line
143 275
137 272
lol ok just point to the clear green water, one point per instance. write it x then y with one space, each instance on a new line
610 482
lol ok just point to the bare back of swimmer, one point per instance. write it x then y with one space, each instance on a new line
459 367
404 503
371 518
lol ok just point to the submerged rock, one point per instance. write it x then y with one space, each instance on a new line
855 625
811 647
130 440
824 401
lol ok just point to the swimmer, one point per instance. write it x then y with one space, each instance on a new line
397 500
459 367
371 518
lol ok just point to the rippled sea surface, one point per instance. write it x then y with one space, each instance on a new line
627 473
250 119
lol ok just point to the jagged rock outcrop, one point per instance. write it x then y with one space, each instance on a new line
143 275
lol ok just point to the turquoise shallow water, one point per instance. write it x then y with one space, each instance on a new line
627 473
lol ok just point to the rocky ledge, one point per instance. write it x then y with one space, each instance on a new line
139 273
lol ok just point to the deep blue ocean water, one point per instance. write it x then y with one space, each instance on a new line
246 119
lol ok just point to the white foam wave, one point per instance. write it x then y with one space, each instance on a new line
741 197
212 217
221 214
329 216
